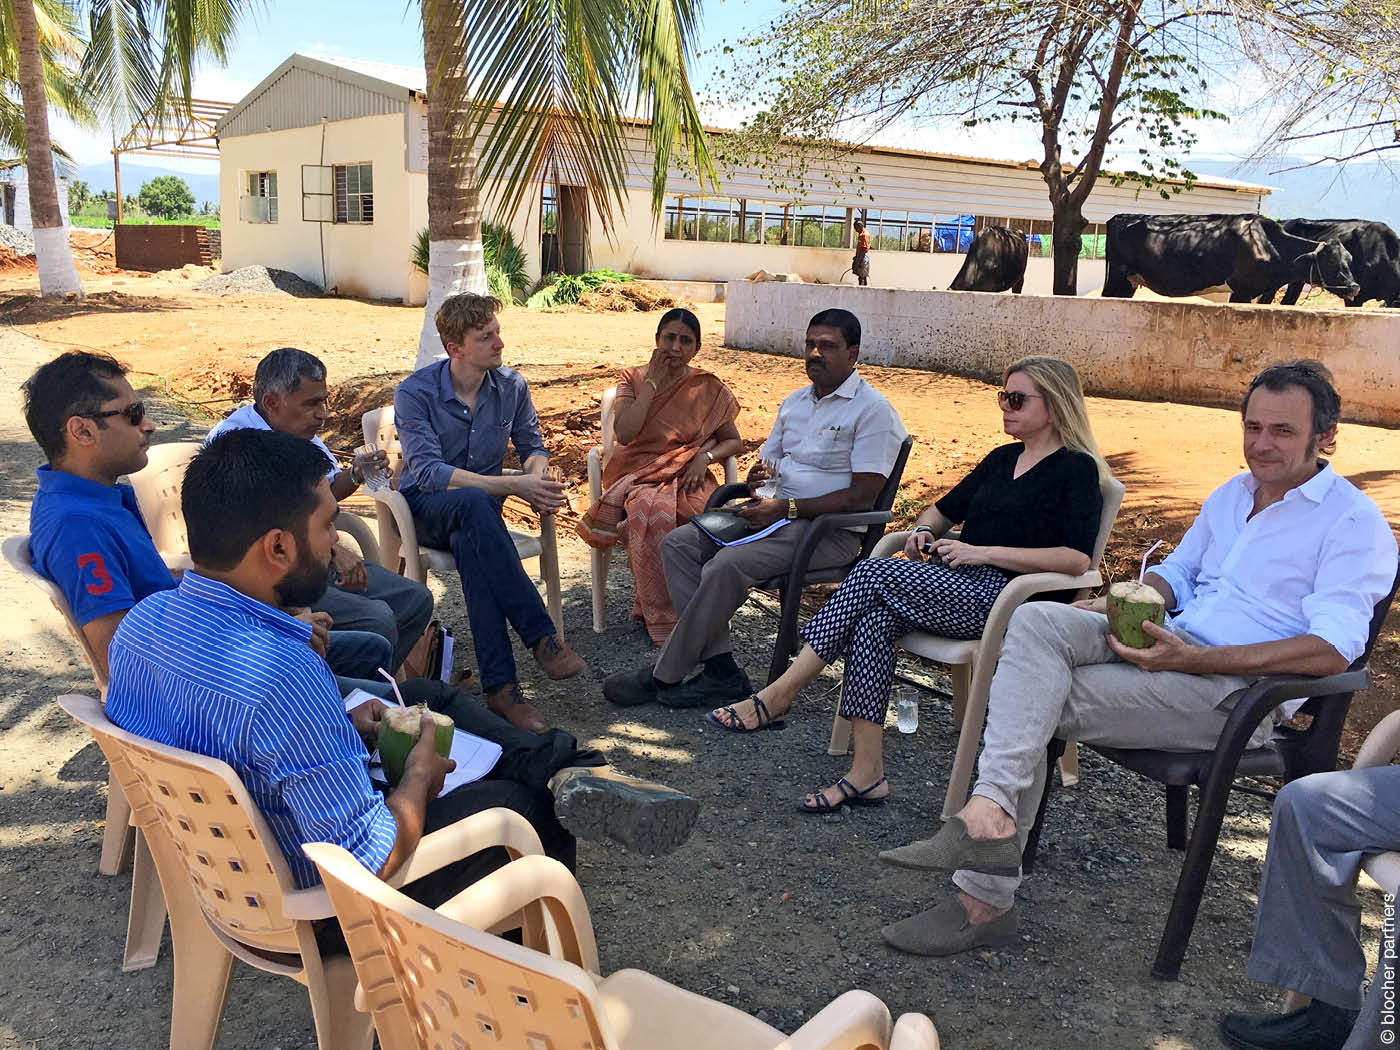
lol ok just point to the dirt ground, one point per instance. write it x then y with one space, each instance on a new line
806 891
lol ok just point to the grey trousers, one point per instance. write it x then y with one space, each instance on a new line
1058 677
394 607
707 593
1307 930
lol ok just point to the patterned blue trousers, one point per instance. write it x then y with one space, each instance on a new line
885 598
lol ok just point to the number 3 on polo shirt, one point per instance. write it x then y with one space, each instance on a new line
102 581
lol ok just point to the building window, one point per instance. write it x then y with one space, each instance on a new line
260 202
354 193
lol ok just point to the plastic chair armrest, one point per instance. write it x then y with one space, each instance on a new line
891 543
363 535
393 501
1381 743
725 493
595 472
914 1032
508 891
492 827
731 470
853 1019
177 562
311 903
1017 592
824 525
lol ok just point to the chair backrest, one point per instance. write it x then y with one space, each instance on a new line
459 985
158 488
16 550
1111 494
606 409
201 808
379 429
885 500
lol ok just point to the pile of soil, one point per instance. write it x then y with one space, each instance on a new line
259 280
11 262
631 295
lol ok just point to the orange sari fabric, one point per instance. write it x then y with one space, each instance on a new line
642 501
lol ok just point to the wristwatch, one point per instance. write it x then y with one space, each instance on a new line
792 509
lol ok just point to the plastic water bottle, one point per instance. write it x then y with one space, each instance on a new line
906 709
375 479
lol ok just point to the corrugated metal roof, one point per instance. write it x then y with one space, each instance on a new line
303 89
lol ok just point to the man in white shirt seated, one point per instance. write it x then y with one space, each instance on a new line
833 443
289 396
1278 574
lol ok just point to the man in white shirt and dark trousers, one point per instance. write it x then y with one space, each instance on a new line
1279 573
834 443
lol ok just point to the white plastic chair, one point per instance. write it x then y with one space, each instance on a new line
598 456
146 917
448 982
399 549
158 487
972 662
231 893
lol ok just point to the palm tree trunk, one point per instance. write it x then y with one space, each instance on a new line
57 274
454 200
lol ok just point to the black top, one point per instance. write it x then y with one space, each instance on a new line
1054 504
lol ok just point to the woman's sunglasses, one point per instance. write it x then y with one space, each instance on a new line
134 413
1013 399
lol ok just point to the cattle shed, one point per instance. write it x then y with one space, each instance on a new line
323 171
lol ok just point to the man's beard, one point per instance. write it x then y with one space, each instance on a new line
305 584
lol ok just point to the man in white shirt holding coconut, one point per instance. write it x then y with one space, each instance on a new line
1279 573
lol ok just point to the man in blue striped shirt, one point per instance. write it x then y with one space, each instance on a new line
214 666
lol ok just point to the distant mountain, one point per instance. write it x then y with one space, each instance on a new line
1356 191
205 187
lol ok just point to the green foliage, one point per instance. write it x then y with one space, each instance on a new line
504 259
78 196
559 289
166 196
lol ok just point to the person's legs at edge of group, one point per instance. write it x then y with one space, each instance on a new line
391 606
1056 676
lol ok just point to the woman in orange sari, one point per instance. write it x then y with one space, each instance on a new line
671 422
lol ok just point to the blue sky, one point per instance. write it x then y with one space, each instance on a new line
389 32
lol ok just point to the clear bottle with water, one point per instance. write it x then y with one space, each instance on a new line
375 479
906 708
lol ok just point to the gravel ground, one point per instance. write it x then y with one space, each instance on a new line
769 910
16 240
259 280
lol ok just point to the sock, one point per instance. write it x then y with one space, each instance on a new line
663 685
721 666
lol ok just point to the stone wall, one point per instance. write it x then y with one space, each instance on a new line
1202 353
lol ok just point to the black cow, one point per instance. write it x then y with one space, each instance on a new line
1187 254
1375 257
996 261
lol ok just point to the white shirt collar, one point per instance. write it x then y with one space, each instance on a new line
847 389
1315 488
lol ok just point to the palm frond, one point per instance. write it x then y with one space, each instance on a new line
120 65
542 90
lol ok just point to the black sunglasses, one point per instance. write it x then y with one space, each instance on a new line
1013 399
134 413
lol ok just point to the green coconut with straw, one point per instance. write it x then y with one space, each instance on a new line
399 728
1130 603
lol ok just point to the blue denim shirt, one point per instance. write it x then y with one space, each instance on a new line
440 434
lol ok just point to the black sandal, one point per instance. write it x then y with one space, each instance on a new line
817 802
735 724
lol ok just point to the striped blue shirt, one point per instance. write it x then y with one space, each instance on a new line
207 669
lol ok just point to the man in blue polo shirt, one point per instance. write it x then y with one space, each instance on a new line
85 530
289 396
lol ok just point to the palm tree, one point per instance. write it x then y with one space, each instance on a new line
522 89
140 59
60 47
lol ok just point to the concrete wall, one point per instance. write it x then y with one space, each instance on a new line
19 179
1193 352
370 260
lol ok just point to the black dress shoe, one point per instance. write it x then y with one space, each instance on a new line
707 690
1316 1027
630 688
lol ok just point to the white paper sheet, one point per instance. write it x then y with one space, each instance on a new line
475 756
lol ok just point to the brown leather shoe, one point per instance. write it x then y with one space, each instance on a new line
510 704
556 659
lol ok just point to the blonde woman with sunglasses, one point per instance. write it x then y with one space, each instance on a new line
1030 506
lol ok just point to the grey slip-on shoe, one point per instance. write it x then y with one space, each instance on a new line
599 803
945 930
952 849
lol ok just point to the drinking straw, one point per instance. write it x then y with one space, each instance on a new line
1142 571
395 686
